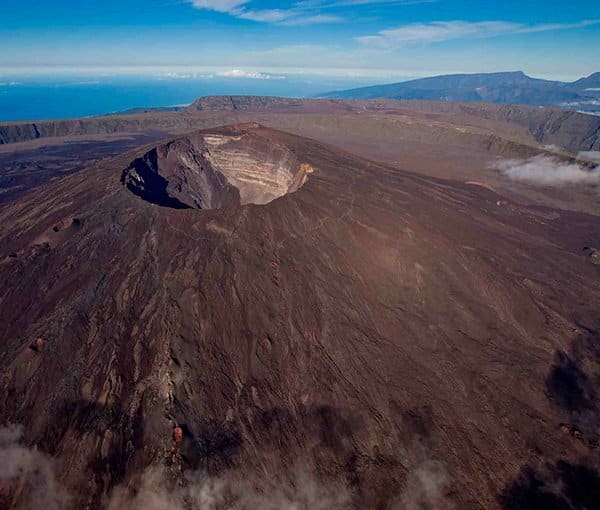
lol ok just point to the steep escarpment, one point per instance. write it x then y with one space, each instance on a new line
265 103
570 130
151 122
177 176
375 339
183 120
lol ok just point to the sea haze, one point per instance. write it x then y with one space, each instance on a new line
42 98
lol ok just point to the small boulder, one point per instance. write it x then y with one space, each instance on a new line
36 345
177 434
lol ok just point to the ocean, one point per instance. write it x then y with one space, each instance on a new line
23 98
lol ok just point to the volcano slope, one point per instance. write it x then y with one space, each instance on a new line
354 336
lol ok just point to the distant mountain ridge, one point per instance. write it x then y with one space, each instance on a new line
590 82
504 87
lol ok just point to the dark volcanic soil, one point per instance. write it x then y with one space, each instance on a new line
399 341
32 164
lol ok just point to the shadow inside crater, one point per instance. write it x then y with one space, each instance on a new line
155 186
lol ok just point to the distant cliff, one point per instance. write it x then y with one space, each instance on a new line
266 103
24 131
572 130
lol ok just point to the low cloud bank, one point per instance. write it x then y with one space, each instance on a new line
250 75
28 481
27 476
302 492
426 487
547 171
590 155
231 73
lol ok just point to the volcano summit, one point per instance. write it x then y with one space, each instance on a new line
216 171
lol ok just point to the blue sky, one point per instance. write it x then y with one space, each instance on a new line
266 39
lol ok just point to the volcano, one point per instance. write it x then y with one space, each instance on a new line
244 318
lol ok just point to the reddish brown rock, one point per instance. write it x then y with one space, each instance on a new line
177 434
36 345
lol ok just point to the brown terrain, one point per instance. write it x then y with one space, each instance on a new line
240 317
447 140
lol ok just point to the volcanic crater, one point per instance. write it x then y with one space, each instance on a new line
216 171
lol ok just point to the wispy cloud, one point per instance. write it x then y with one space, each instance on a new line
546 171
249 75
303 12
177 76
297 14
288 17
228 6
590 155
439 31
228 73
27 475
329 4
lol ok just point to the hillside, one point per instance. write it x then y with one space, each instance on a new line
588 84
506 87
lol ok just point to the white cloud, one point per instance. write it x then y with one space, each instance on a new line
157 491
306 12
251 75
83 83
31 470
226 73
546 171
438 31
177 76
288 17
296 15
330 4
229 6
590 155
580 104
